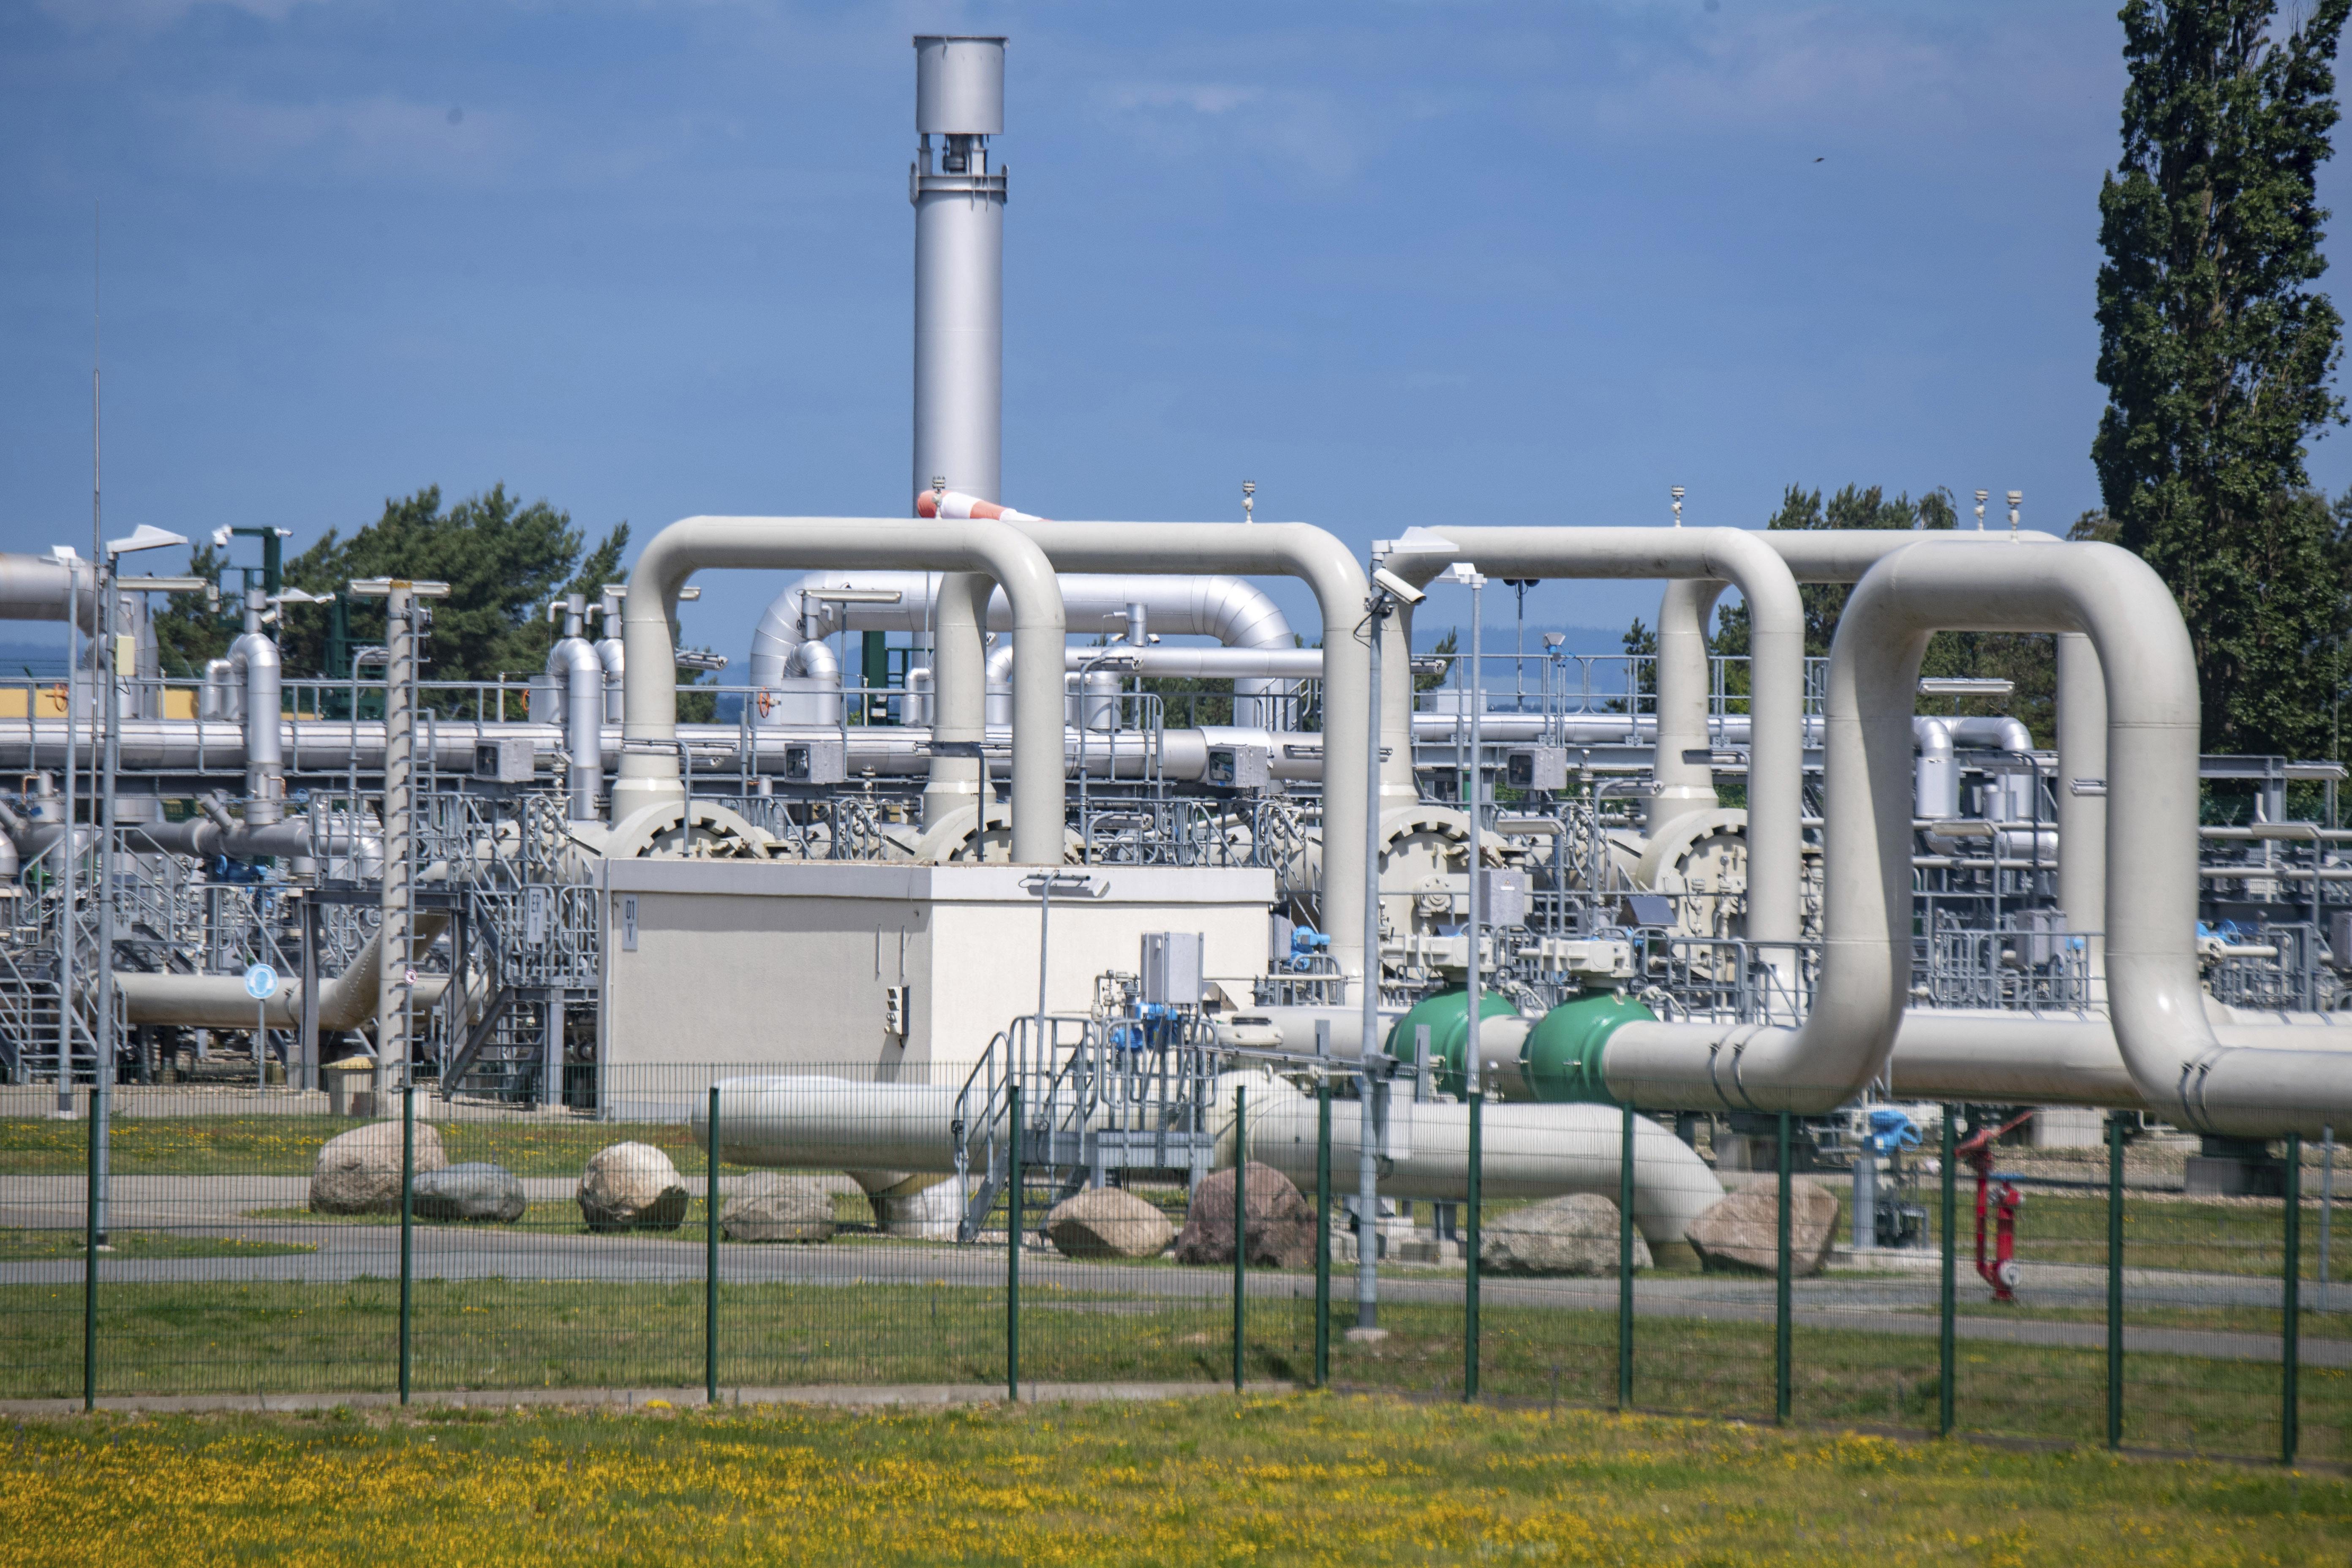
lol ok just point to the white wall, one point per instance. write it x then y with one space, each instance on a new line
785 962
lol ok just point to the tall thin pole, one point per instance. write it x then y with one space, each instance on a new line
1470 1242
65 850
1241 1227
2291 1309
1625 1261
394 950
1946 1346
1013 1259
408 1229
1476 922
710 1261
1368 1174
89 1280
2115 1281
101 1093
1323 1233
1783 1346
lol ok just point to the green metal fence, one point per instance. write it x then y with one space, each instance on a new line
486 1246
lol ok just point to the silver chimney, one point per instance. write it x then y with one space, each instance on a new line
958 264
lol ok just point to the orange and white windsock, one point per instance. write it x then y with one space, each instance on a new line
956 504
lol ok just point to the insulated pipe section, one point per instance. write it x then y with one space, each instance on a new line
1860 992
346 1001
38 587
649 758
1237 613
1682 771
1531 1151
1777 651
1341 593
579 675
1526 1152
2081 793
2154 998
960 687
255 670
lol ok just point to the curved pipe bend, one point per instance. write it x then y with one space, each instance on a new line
1337 578
1777 649
649 761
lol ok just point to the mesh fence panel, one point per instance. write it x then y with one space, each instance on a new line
561 1246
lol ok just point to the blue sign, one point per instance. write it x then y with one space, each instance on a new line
261 982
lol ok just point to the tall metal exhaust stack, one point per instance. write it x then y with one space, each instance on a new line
959 265
959 367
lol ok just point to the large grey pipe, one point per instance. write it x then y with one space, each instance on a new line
959 355
1682 772
254 666
1237 613
221 1001
1337 579
579 675
36 588
2154 996
1777 650
649 761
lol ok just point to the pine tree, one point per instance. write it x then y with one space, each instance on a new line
2217 353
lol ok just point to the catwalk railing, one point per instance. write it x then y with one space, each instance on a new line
213 1251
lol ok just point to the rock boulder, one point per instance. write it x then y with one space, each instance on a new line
1740 1232
778 1208
1111 1222
631 1186
1279 1228
1576 1235
472 1191
358 1172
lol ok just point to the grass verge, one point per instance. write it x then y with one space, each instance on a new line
1305 1479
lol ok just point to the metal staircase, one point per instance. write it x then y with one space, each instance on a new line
1098 1096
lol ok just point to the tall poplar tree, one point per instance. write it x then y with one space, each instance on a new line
2216 352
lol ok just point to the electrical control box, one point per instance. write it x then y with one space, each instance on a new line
815 763
1537 768
1502 898
1238 767
894 1010
504 762
1171 968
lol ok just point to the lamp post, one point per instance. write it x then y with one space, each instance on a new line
1466 574
1389 593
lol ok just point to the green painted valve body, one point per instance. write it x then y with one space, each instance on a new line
1561 1057
1448 1038
1560 1060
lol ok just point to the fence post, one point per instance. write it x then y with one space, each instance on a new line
1013 1260
1470 1242
1323 1233
711 1259
1946 1360
89 1264
407 1227
2291 1318
2115 1281
1240 1226
1625 1263
1781 1264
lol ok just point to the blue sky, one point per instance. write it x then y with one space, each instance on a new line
1397 263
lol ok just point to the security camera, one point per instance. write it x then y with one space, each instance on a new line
1396 587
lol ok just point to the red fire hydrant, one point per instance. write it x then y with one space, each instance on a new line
2001 1272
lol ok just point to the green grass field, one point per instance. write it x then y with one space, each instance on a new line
1272 1481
